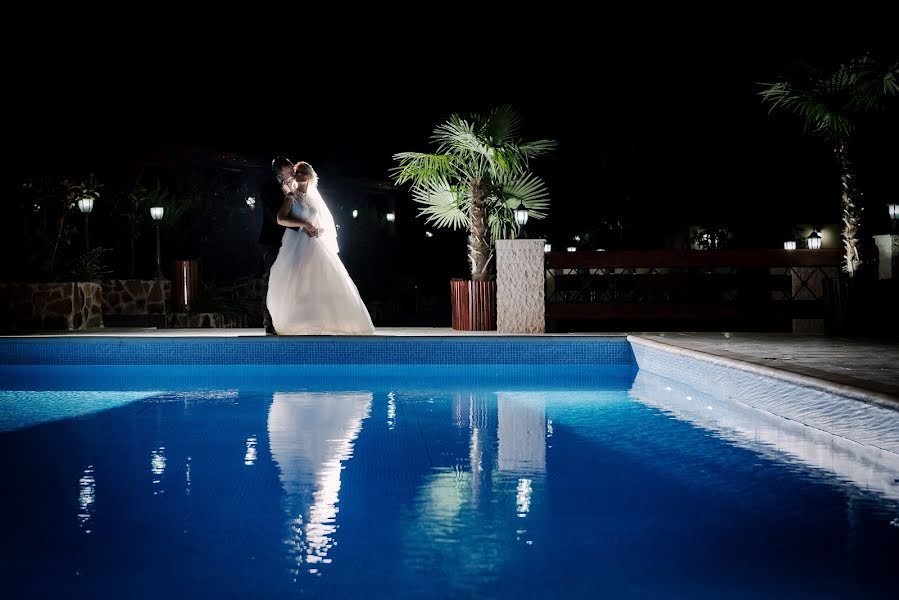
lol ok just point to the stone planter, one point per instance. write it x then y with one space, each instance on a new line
69 305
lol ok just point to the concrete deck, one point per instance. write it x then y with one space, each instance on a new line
866 365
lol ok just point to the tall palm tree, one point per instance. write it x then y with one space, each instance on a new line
829 104
476 179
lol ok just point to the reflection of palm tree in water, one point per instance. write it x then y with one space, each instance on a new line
311 434
479 511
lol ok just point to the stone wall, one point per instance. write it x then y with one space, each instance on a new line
50 306
136 296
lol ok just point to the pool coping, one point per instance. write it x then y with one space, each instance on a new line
872 392
880 394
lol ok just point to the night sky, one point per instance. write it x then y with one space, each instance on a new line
652 126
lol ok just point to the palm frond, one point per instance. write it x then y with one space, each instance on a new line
873 84
817 114
527 189
420 168
442 204
537 148
501 225
482 151
502 125
459 137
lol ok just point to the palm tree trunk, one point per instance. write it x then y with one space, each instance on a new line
478 234
851 212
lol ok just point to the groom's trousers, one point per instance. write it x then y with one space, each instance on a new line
269 254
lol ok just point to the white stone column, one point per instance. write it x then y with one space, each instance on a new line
520 281
888 250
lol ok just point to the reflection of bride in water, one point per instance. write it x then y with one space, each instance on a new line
311 434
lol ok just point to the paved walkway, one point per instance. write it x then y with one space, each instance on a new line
870 365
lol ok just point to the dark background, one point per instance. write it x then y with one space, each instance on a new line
659 128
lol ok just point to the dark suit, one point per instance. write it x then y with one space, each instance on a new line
271 197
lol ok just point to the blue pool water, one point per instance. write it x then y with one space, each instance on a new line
426 481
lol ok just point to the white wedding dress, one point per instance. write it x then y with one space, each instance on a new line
309 290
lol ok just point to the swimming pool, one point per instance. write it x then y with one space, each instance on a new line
450 468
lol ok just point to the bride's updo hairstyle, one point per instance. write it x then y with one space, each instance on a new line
304 168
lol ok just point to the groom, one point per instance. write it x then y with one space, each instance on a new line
271 233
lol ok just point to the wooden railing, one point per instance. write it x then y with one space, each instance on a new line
688 284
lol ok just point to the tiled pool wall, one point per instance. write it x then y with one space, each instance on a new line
866 466
868 423
814 406
317 351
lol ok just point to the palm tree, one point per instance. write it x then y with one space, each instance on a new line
476 179
829 104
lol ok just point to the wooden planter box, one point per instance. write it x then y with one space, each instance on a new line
473 304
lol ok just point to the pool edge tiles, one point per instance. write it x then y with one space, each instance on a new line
592 350
824 382
856 416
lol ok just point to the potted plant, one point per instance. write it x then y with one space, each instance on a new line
475 179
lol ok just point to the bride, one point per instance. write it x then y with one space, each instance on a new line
310 291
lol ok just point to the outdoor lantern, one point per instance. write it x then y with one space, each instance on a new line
571 248
86 204
391 217
789 245
156 213
814 241
355 213
894 211
547 247
429 234
251 201
521 214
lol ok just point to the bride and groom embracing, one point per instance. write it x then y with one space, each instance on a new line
309 291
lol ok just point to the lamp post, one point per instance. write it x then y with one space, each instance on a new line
156 212
814 240
86 205
521 217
